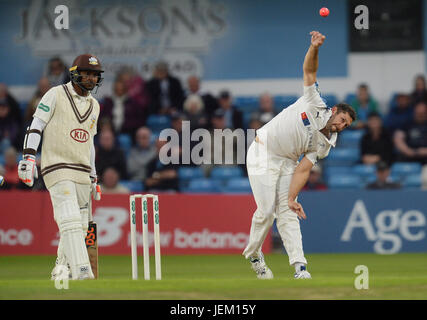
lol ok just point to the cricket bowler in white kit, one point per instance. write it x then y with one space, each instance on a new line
309 128
67 116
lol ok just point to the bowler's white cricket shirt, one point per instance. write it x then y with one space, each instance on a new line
295 130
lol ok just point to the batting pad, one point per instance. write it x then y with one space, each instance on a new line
69 223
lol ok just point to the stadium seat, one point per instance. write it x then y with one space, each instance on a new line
342 157
237 185
330 99
125 142
226 172
373 178
154 137
247 103
158 122
281 102
397 178
403 169
364 171
350 138
345 181
133 186
202 185
370 179
349 98
187 173
413 181
246 119
336 170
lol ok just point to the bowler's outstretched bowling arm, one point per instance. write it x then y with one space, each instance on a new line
311 61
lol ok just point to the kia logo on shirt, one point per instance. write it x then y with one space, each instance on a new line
79 135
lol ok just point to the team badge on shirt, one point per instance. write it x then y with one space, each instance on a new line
92 120
305 119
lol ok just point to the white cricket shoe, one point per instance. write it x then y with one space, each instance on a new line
260 268
302 273
60 272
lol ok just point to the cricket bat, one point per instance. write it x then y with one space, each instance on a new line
92 247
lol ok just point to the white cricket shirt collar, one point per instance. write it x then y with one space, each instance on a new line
332 141
74 93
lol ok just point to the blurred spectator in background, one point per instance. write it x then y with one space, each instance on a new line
209 101
176 123
218 123
161 177
399 115
137 90
127 112
222 153
110 182
165 91
104 124
140 155
57 72
15 111
10 171
420 91
383 178
43 86
314 182
9 128
364 104
109 155
376 143
266 110
136 86
411 140
254 124
233 117
194 110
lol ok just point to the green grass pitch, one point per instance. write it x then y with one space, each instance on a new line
223 277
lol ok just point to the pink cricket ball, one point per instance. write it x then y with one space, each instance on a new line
324 12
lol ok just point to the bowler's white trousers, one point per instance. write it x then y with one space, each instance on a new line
270 177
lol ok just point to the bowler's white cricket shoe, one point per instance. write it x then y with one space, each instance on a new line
302 273
260 268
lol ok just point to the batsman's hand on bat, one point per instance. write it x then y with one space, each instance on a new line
27 170
297 208
96 188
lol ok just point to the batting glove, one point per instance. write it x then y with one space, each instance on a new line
27 170
96 188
